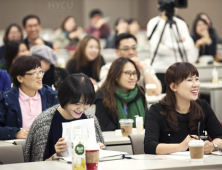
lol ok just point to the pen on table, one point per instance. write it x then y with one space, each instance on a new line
191 136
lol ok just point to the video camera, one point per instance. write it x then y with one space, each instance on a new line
169 5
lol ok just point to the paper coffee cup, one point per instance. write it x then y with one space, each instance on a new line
150 89
92 157
196 148
126 126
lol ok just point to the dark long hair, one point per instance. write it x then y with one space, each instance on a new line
117 21
109 86
5 38
81 58
176 73
11 51
195 35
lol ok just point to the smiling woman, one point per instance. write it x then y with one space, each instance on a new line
87 59
20 105
179 113
120 97
44 141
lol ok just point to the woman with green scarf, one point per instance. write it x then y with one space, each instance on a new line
120 97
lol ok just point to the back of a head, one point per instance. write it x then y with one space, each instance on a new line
21 66
30 16
74 88
95 12
122 37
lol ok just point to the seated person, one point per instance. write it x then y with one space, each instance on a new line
87 59
169 123
53 75
5 80
126 46
98 26
12 33
76 94
20 105
68 34
204 38
14 50
120 97
32 26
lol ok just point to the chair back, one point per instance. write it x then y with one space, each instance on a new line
11 154
137 143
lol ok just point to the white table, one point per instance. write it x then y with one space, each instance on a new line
215 91
144 162
116 142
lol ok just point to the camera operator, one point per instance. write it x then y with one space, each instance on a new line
168 50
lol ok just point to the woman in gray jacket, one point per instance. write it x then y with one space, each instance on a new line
45 141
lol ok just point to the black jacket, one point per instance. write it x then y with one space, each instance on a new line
45 42
106 120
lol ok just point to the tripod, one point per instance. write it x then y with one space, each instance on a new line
171 22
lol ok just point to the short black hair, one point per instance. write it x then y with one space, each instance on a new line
121 37
26 18
75 87
21 66
95 12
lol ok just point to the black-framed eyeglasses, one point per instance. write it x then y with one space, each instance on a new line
127 49
128 74
35 74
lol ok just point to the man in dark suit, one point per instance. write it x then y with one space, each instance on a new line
32 27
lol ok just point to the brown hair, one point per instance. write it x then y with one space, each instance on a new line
176 73
109 86
5 38
81 58
62 26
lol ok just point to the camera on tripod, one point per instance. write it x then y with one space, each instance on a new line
169 5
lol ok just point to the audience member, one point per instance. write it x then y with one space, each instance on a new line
32 27
68 34
204 38
45 141
5 80
13 32
14 50
175 45
126 46
98 26
53 75
20 105
87 59
120 97
210 25
120 27
169 123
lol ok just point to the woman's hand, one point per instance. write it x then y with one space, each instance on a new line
184 144
208 147
60 146
101 145
22 134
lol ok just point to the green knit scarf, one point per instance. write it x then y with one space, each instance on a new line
135 108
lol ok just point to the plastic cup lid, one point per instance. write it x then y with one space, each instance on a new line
126 121
196 143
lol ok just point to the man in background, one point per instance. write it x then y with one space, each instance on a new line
32 27
98 26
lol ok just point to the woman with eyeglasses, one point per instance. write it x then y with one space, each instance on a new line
120 97
20 105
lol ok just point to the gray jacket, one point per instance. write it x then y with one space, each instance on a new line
39 131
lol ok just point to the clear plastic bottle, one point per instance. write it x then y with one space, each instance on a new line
139 124
214 75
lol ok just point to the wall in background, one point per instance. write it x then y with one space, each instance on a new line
52 12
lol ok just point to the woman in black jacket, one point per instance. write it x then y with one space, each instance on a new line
120 97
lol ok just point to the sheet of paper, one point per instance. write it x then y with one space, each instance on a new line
181 155
83 130
217 153
15 140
